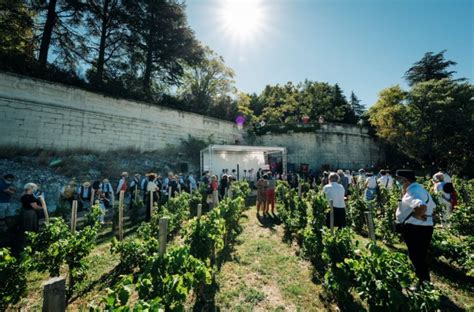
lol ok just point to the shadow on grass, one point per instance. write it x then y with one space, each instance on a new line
452 276
107 280
269 221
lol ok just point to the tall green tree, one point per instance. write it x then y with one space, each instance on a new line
356 106
431 124
161 40
107 30
207 83
60 21
16 28
431 66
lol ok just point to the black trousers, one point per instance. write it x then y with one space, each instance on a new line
418 239
339 218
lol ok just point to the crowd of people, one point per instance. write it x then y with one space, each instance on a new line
414 215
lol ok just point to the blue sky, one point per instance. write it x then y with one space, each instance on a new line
364 45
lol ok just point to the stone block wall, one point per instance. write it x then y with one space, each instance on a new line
40 114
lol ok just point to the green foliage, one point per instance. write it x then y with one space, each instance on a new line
283 107
55 245
205 236
421 122
177 210
384 219
230 211
455 250
16 28
135 250
209 86
383 278
337 248
430 67
240 189
172 277
312 235
355 209
462 219
12 277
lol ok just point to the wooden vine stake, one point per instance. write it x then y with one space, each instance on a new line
92 197
190 188
179 188
199 211
136 194
120 215
152 193
54 295
169 193
299 190
331 216
45 209
370 224
163 227
226 193
73 216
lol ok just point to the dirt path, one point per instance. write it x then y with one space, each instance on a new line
265 274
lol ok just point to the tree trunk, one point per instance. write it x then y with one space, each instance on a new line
47 33
148 65
103 34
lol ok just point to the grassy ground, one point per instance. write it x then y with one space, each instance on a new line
265 274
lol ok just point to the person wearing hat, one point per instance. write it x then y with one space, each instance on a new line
385 181
335 192
122 185
414 213
84 193
6 192
31 207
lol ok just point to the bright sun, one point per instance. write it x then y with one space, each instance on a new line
243 20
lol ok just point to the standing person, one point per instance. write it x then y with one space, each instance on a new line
223 186
344 181
68 194
31 208
415 214
107 191
6 191
192 182
444 197
446 177
122 185
385 181
325 178
335 192
261 195
370 186
85 196
270 194
361 178
214 196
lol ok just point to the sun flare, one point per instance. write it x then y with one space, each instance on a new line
243 20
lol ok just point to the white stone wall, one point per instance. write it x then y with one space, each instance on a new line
340 146
40 114
36 113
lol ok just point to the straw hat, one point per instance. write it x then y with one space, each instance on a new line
86 184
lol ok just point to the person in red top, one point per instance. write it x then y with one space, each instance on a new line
214 186
122 185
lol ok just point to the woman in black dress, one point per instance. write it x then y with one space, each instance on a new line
31 207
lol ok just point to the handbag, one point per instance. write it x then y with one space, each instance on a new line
400 227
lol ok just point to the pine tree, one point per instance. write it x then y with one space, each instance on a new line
356 106
431 66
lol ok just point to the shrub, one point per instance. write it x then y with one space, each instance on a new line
12 277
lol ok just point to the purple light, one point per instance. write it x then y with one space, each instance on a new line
240 120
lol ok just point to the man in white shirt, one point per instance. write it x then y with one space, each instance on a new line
385 181
415 213
335 192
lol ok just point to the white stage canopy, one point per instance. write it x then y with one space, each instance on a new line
241 158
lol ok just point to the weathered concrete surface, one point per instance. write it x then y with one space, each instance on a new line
36 113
